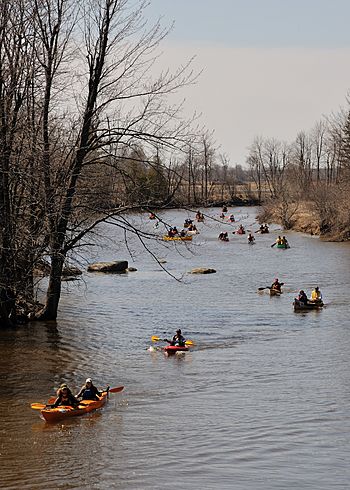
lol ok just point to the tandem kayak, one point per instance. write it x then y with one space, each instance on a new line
62 412
167 238
282 245
172 349
299 306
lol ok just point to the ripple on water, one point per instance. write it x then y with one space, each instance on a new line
260 402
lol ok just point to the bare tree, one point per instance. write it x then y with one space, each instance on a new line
76 98
119 105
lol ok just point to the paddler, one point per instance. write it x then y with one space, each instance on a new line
316 295
285 242
251 239
65 397
178 339
302 297
89 391
276 285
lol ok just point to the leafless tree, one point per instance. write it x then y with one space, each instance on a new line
76 94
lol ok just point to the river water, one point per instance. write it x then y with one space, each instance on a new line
261 402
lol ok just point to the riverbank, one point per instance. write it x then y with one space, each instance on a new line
305 217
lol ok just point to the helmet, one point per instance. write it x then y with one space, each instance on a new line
88 380
178 331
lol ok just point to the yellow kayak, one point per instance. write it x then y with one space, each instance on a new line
167 238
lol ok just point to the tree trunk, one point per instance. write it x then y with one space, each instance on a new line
53 294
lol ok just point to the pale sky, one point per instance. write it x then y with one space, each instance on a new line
270 67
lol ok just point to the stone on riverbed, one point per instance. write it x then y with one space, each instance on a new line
202 270
116 266
131 269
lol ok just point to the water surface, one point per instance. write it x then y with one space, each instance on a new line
261 402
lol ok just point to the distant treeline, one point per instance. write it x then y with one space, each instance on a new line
306 180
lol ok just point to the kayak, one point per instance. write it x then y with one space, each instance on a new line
299 306
172 349
167 238
240 232
282 245
62 412
275 292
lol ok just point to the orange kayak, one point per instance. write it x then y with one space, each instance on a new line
62 412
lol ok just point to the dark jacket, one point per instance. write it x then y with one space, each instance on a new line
91 393
302 298
178 340
276 286
70 401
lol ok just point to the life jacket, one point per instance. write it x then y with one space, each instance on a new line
66 401
89 394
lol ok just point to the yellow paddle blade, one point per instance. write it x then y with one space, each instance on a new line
189 342
38 406
155 338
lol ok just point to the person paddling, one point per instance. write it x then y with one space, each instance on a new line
89 391
316 295
302 297
178 339
223 236
251 239
65 397
285 242
276 285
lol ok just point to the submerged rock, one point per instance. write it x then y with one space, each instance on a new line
202 270
131 269
116 266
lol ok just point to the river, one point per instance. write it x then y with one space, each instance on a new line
261 402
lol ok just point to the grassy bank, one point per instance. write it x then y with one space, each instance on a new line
305 216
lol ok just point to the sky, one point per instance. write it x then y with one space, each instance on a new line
269 68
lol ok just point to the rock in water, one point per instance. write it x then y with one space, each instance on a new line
202 270
116 266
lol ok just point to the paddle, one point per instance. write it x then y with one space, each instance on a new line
116 390
269 287
275 243
157 339
38 406
41 406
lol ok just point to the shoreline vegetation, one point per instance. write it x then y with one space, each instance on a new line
306 219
